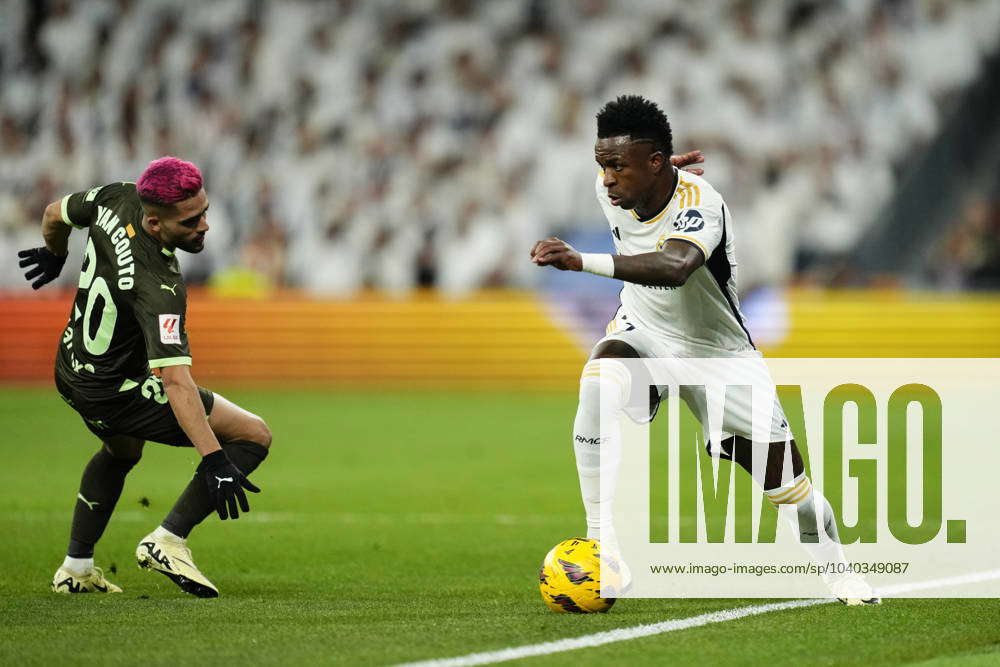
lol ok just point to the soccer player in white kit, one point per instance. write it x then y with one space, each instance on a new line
673 234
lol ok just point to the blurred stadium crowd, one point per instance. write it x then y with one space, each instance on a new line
395 144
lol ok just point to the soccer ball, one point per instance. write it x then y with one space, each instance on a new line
570 578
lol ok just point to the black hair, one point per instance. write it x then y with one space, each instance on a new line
636 117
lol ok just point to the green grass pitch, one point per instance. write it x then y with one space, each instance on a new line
391 527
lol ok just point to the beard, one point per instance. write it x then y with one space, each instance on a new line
194 246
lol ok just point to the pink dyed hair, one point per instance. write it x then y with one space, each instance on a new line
168 180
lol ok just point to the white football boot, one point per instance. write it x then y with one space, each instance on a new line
171 556
68 581
853 590
616 578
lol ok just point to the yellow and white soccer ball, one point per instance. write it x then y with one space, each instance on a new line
570 578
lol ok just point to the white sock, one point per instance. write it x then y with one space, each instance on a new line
78 565
810 514
596 452
163 532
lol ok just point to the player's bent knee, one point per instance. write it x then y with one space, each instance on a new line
265 434
254 429
261 433
604 376
611 349
777 471
124 448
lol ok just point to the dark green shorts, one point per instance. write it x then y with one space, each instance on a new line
139 412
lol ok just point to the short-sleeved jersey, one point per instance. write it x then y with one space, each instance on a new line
705 311
130 307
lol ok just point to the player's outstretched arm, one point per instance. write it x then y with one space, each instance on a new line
44 264
226 483
670 267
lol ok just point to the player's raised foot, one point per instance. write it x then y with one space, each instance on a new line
68 581
853 590
170 556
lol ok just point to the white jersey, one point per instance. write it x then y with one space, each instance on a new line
705 311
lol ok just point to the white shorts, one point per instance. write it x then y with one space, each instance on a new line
712 382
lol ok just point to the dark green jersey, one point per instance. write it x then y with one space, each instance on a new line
129 312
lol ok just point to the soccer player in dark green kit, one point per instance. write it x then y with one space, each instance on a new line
124 365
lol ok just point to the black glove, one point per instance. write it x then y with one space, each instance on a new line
225 484
47 266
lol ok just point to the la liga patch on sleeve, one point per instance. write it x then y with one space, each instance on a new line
170 329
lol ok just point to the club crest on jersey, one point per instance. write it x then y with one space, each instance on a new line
689 221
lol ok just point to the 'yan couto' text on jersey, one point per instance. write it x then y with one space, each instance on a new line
129 312
705 311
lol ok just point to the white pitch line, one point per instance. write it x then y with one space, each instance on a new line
611 636
635 632
971 578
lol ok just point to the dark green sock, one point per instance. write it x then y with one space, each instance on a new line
100 488
195 503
